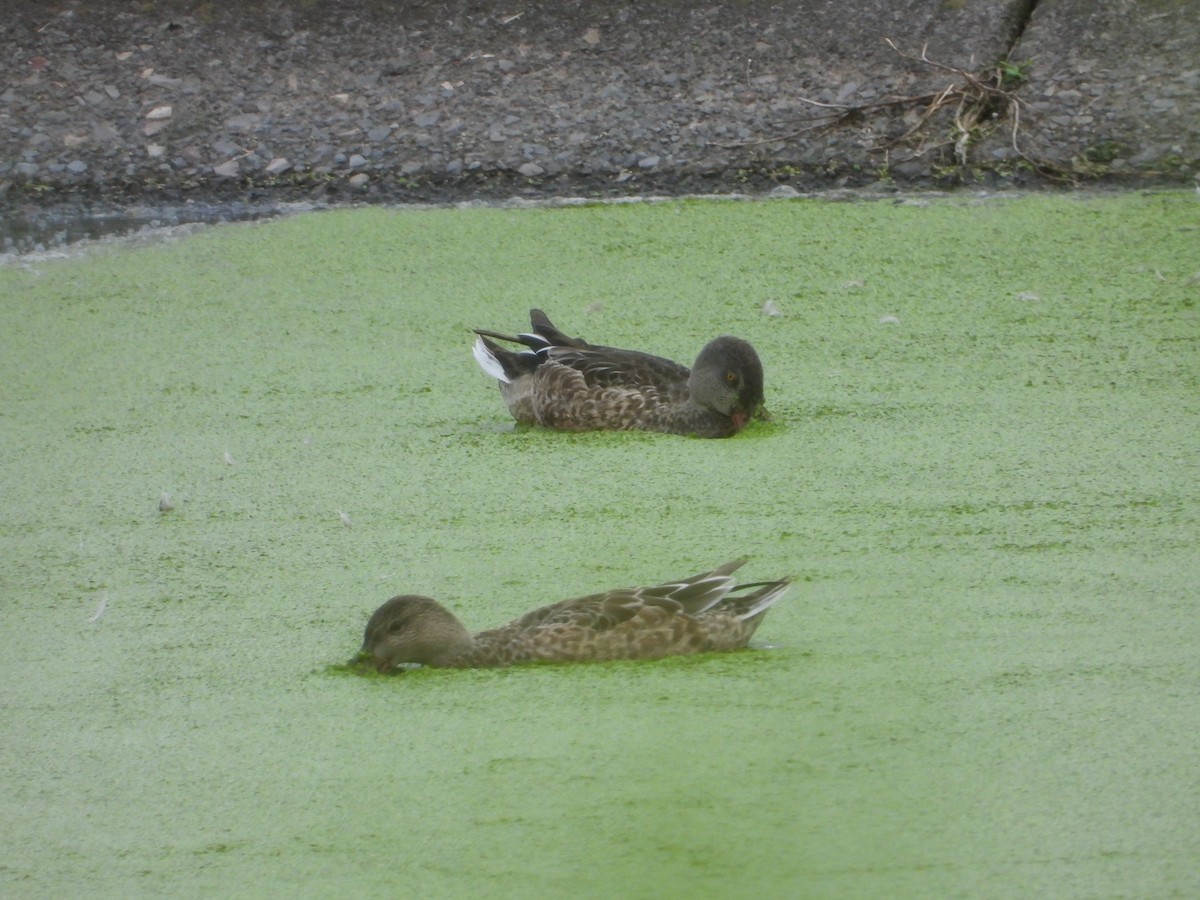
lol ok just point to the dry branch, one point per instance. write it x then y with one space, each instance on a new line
980 103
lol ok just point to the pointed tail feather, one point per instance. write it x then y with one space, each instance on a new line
760 601
730 567
497 335
532 341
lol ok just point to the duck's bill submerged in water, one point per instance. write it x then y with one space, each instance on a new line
704 613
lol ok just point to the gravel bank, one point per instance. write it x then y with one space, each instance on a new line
112 104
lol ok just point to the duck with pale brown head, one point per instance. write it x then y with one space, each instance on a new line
704 613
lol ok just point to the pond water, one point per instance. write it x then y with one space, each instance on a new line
982 475
39 229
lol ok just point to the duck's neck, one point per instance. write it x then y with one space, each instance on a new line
703 421
449 646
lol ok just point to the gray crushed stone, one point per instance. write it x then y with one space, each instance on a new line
113 103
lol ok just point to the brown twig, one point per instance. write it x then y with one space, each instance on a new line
847 113
973 97
974 100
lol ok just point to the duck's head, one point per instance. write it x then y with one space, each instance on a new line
412 629
728 378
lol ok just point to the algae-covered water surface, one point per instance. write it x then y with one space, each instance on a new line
983 473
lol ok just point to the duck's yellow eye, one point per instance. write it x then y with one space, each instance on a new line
731 377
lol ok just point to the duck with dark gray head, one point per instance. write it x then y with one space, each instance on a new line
562 382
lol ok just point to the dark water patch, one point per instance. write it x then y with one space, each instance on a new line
39 229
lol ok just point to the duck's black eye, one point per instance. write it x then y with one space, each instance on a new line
394 626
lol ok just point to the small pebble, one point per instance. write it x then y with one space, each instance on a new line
783 192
